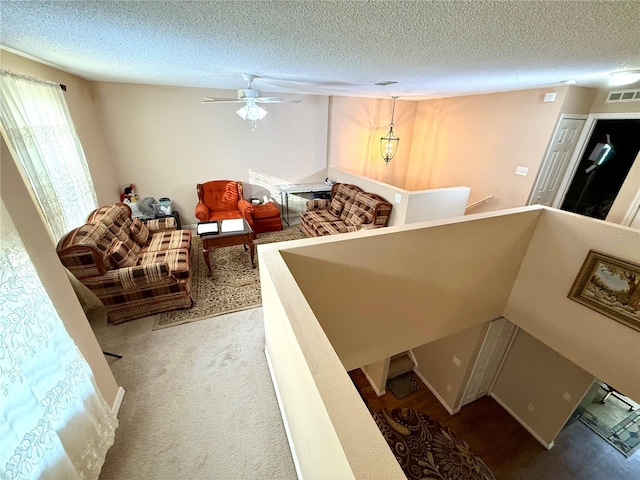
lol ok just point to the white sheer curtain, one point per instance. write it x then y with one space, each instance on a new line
39 129
53 421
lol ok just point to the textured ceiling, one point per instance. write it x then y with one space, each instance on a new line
433 48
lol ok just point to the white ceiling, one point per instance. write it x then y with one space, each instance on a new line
433 48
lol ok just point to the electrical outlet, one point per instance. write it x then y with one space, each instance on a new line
456 361
550 97
567 396
531 407
522 171
398 198
448 388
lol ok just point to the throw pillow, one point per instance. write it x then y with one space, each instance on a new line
358 217
139 232
122 256
336 207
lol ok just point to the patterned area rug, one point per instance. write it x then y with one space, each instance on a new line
233 286
625 436
426 449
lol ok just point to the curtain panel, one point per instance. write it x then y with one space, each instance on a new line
38 128
54 423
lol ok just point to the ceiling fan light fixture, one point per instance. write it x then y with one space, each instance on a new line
624 77
252 112
250 98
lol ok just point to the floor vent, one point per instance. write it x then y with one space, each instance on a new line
624 96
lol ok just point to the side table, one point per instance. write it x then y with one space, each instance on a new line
173 214
294 188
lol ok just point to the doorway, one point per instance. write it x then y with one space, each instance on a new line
609 153
612 416
556 160
495 345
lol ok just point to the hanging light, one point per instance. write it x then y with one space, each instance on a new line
389 143
252 112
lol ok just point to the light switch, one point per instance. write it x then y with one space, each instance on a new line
398 198
550 97
522 171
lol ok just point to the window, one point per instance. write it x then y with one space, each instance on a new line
38 129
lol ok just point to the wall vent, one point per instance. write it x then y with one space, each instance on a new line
624 96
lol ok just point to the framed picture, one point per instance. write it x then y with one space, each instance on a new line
611 286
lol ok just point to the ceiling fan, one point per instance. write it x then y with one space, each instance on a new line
250 97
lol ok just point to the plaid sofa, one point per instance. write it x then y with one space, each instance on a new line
349 210
136 269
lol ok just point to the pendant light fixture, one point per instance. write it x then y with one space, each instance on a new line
389 143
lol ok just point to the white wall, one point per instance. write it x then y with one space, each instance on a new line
540 387
380 292
165 141
538 302
444 378
410 206
331 432
370 307
356 126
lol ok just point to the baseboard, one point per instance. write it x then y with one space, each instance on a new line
372 383
118 401
436 394
546 445
282 413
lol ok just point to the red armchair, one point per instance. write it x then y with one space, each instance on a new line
220 200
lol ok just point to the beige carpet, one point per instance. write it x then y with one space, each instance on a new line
233 285
199 402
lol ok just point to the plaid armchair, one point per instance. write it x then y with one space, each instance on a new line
135 269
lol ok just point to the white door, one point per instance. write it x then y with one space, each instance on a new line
556 160
495 345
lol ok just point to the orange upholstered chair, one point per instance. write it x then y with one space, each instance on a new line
220 200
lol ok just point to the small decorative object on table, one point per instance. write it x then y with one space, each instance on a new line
129 194
163 207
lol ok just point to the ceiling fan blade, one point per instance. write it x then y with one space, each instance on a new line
221 100
276 100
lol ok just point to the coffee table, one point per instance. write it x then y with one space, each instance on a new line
227 239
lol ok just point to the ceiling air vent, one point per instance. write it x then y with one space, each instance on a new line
624 96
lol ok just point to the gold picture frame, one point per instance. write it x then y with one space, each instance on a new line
611 286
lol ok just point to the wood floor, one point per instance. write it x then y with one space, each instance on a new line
507 448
